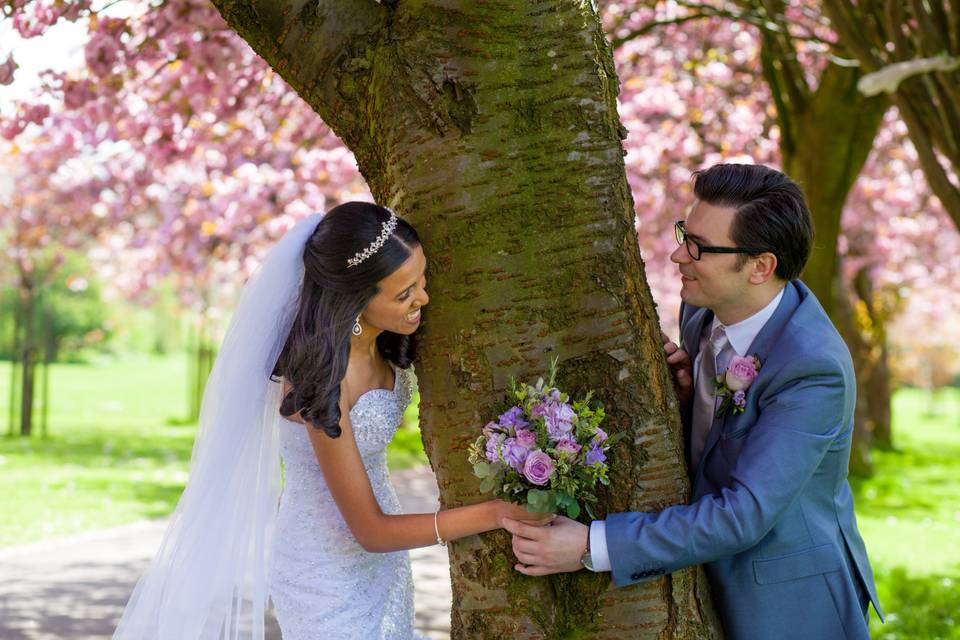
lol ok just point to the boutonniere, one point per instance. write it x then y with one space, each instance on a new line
733 384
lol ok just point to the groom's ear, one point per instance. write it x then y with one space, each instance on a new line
762 267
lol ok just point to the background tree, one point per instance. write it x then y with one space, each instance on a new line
914 50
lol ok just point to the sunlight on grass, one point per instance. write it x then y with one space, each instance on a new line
909 514
115 452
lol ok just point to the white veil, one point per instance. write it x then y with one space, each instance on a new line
209 578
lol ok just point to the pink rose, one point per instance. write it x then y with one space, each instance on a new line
527 438
568 445
538 467
741 372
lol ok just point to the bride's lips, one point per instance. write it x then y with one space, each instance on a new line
412 318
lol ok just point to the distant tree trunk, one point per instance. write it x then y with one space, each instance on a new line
14 378
825 138
49 353
494 128
28 358
861 462
880 399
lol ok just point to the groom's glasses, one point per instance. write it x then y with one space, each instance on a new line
695 249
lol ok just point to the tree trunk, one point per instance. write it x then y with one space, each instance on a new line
830 136
879 398
28 360
861 463
493 127
14 352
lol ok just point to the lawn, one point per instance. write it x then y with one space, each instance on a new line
117 453
117 450
909 514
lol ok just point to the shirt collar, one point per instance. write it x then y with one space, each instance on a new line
741 334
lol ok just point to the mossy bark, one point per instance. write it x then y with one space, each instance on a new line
493 127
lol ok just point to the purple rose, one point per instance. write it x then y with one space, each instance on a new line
493 440
513 418
514 453
539 409
538 467
568 445
559 419
740 398
527 438
595 456
741 372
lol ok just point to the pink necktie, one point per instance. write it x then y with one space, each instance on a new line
704 401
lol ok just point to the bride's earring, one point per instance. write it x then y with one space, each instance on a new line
357 329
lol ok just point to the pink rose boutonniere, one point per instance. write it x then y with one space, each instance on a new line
733 384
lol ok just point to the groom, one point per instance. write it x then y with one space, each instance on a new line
771 516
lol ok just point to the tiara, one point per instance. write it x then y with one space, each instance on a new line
375 246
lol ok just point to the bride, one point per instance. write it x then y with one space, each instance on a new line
315 368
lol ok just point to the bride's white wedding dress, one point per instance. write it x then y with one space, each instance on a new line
323 584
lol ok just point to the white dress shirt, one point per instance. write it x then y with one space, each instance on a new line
740 336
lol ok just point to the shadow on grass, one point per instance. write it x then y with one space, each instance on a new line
913 481
917 608
88 448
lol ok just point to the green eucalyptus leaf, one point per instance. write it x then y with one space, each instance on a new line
488 483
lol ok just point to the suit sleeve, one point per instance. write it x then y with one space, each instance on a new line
803 414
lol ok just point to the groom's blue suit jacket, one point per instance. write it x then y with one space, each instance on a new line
771 515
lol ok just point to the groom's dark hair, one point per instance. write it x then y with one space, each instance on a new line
772 214
316 351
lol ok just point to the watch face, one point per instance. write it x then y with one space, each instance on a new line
587 561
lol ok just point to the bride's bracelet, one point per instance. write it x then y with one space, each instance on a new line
436 528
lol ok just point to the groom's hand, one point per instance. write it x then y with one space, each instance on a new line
555 548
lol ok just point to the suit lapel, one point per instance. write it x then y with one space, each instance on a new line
761 346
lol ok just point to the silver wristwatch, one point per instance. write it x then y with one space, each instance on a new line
585 559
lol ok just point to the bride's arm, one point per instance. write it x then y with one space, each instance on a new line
376 531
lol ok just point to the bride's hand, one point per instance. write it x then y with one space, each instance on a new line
518 512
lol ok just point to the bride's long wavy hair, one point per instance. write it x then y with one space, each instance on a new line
314 357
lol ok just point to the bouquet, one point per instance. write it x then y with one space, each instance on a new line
544 451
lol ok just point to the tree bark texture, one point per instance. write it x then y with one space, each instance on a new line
493 127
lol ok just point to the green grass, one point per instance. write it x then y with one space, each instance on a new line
115 452
909 515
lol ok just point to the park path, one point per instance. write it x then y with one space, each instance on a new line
75 588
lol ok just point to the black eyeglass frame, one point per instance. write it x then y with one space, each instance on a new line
682 238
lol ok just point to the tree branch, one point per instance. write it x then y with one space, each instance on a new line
937 177
706 11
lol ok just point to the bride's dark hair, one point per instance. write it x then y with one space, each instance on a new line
314 357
